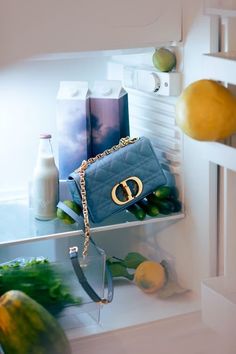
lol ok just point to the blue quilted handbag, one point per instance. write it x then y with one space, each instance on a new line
107 184
117 178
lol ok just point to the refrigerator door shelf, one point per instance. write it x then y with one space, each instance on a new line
214 66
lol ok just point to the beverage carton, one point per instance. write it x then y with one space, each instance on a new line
109 115
74 129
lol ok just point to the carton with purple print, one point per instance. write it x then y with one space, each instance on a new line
109 115
74 126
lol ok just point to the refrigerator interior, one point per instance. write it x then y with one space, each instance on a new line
188 242
33 86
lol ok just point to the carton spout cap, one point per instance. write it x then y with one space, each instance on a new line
73 92
105 91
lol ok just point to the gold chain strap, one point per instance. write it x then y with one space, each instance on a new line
81 170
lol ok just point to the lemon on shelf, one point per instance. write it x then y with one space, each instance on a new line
150 276
63 216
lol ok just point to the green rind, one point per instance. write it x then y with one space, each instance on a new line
165 206
30 328
162 192
150 208
138 212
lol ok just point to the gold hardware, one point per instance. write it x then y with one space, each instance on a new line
127 190
103 302
81 170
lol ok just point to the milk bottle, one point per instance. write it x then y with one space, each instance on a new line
45 183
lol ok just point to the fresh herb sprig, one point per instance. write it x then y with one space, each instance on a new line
39 279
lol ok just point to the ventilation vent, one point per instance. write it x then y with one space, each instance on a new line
154 117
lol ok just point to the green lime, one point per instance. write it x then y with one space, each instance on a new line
164 60
62 215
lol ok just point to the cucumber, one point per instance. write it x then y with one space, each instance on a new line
138 212
152 198
167 192
174 194
165 206
162 192
150 208
177 205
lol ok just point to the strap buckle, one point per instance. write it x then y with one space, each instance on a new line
73 252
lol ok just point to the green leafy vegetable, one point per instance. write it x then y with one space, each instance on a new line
39 279
118 269
133 259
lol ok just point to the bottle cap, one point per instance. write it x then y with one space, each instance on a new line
45 136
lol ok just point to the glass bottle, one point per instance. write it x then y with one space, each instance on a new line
45 183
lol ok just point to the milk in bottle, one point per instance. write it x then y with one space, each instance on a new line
45 183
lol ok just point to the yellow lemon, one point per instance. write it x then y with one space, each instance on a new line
150 276
62 215
206 110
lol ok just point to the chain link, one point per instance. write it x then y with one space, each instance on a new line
81 170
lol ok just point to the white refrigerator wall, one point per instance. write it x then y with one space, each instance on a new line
28 29
28 107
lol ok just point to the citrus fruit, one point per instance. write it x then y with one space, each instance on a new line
163 59
62 215
150 276
206 110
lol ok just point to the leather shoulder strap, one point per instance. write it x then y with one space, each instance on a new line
78 269
84 282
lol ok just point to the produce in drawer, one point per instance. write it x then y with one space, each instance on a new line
39 279
26 327
133 260
150 276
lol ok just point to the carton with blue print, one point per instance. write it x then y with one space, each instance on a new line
74 126
109 114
